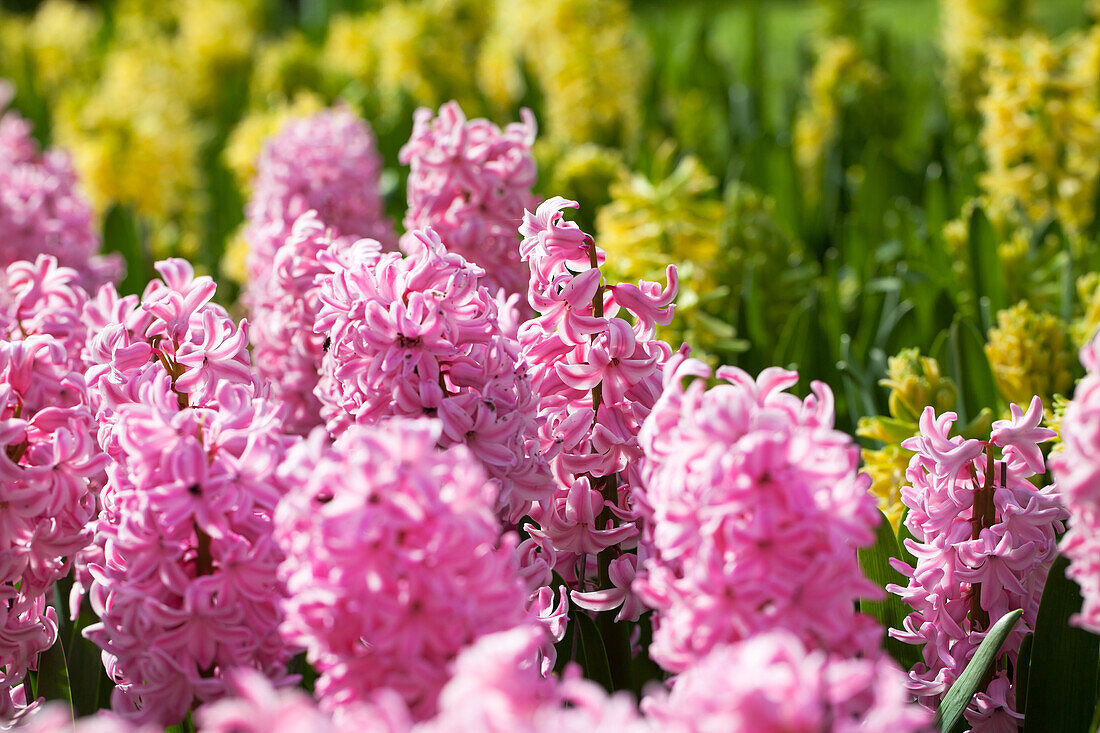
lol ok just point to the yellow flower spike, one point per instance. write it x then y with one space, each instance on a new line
61 42
214 37
349 52
587 63
1088 294
649 224
132 136
841 75
1030 354
915 382
966 28
1041 127
584 173
285 67
886 466
234 260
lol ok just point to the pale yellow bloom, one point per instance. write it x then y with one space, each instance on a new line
966 28
585 173
1030 354
131 136
350 47
841 75
283 68
1088 294
234 260
61 42
1041 129
214 38
586 60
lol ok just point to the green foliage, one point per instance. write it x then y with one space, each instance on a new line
949 716
1061 691
890 611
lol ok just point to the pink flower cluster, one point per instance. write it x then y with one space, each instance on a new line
183 574
770 683
42 210
984 538
1075 466
597 375
45 299
398 541
48 456
418 336
471 182
286 349
325 168
753 512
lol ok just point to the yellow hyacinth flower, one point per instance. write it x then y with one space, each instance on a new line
1041 129
649 224
284 67
1030 354
915 382
60 39
841 75
966 28
586 60
131 136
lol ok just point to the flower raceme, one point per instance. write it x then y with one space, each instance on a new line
753 510
399 541
316 187
419 335
48 458
182 572
1075 466
770 683
983 537
42 210
471 182
597 375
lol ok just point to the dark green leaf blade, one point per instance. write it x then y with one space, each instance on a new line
592 651
53 676
970 682
1062 674
874 561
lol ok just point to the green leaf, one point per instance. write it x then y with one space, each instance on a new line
120 235
592 653
890 612
903 535
53 676
1061 692
985 262
1023 666
88 681
973 678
